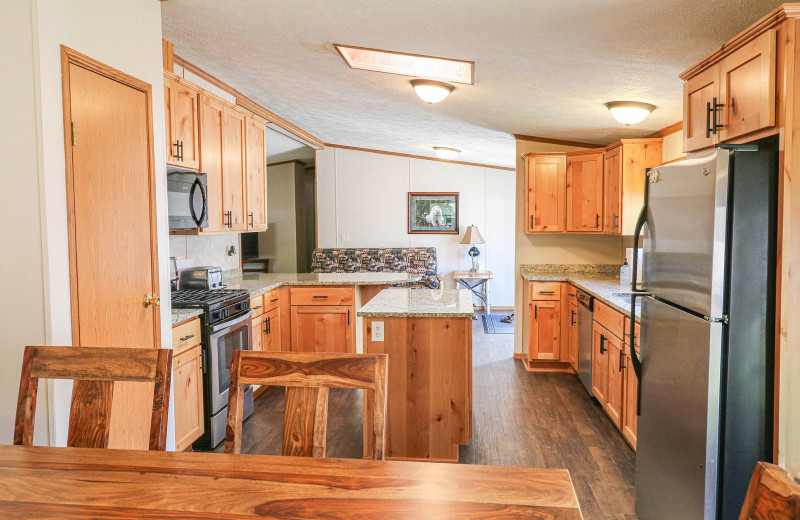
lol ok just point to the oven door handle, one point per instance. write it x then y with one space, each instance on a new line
229 324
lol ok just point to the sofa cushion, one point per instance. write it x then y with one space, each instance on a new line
412 260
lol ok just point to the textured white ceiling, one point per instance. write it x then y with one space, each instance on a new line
542 67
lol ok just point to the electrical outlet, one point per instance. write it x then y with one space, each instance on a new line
344 237
377 331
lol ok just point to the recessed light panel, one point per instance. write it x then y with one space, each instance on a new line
390 62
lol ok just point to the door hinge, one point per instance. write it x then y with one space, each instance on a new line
73 135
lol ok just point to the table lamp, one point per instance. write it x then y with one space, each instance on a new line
472 237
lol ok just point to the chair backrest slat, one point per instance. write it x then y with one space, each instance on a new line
94 369
307 376
772 494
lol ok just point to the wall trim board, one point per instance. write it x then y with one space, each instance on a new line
562 142
412 156
285 162
668 130
249 104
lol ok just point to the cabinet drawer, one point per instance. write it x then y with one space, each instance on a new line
322 296
612 320
186 335
545 290
572 294
271 300
257 305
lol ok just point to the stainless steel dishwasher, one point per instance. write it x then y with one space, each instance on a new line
585 319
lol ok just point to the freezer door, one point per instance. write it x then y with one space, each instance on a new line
684 240
678 439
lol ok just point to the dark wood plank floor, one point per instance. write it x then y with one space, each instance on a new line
519 419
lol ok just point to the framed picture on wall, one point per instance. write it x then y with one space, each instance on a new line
433 213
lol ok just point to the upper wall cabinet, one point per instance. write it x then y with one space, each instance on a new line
585 192
256 175
589 191
230 150
731 95
181 102
624 169
545 202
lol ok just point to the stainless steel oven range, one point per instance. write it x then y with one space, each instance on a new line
226 327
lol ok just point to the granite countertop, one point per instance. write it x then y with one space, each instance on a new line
602 282
262 282
179 315
419 303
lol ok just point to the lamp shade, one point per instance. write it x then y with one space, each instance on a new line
472 236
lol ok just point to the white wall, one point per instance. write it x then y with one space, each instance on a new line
365 195
126 35
22 289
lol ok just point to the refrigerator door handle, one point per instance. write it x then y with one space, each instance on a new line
635 293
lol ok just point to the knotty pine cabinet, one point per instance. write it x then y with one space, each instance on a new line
546 192
230 148
266 329
589 191
732 97
187 383
572 338
181 102
585 191
256 173
323 319
600 357
625 166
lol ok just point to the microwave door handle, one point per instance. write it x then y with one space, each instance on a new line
195 185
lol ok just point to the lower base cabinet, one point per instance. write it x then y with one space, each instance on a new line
271 331
187 382
600 357
631 400
616 380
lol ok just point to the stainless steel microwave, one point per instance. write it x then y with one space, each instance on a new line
187 199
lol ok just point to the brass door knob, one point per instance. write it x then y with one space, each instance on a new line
151 299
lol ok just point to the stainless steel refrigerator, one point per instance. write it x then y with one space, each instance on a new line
706 368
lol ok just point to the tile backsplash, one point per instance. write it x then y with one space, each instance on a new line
206 249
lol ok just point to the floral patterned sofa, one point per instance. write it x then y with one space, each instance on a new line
415 260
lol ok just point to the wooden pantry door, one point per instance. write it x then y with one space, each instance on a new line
111 218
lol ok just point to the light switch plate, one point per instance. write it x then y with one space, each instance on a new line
377 331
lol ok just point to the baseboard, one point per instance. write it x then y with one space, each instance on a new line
517 355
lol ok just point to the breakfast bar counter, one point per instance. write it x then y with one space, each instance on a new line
427 335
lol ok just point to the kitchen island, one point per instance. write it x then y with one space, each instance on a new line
427 335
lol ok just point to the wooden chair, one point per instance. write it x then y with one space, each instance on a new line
771 494
94 370
307 376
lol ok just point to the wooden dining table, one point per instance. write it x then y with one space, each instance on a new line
78 483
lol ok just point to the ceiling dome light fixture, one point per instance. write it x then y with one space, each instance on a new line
446 153
630 112
431 91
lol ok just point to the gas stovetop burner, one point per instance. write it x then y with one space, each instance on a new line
206 299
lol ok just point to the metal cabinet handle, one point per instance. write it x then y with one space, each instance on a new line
251 219
715 125
531 221
602 344
547 292
708 119
597 220
229 216
256 307
273 300
348 316
535 312
614 222
190 336
177 147
573 317
320 297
